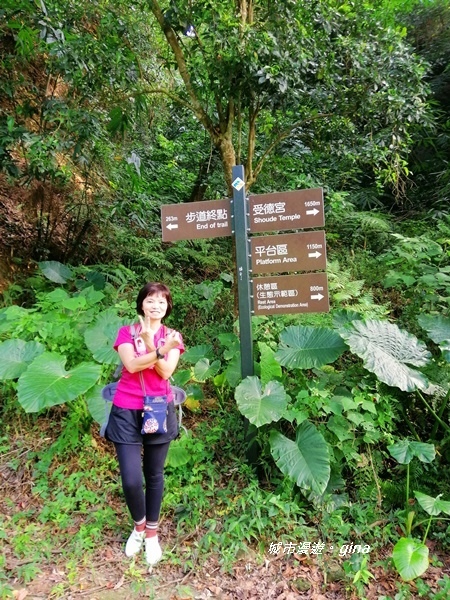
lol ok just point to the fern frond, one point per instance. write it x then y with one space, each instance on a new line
370 222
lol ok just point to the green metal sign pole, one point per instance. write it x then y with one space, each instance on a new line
242 247
241 228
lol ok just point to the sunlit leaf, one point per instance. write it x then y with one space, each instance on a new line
433 506
410 558
46 382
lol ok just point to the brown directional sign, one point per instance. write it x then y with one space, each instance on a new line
192 220
287 294
304 251
300 209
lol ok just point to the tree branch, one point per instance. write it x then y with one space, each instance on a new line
170 95
182 66
280 137
251 139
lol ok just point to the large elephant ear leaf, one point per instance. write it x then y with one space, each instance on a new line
438 328
233 373
100 338
16 355
231 344
306 461
387 351
410 558
258 405
55 271
97 406
179 452
405 450
433 506
46 382
309 347
270 368
204 370
196 353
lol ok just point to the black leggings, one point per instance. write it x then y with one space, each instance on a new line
142 505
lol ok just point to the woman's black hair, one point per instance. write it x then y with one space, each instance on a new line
150 289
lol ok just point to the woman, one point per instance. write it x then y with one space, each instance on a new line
149 353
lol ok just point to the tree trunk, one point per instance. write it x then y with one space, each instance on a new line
228 156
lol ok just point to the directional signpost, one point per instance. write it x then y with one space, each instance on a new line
291 294
301 209
289 252
241 227
195 220
303 252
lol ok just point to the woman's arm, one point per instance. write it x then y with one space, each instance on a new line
133 363
167 365
164 366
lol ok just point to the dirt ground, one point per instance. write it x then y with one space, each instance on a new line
185 573
112 576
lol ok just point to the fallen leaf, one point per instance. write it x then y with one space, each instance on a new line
108 554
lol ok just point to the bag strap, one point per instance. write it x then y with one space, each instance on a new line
141 376
118 370
133 337
168 389
141 379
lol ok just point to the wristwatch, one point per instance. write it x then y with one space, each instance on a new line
158 354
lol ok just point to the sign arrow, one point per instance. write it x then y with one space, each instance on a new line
172 226
317 297
314 212
315 254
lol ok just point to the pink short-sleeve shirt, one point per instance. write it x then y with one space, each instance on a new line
129 392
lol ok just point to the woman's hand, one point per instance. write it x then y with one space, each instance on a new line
173 340
146 333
